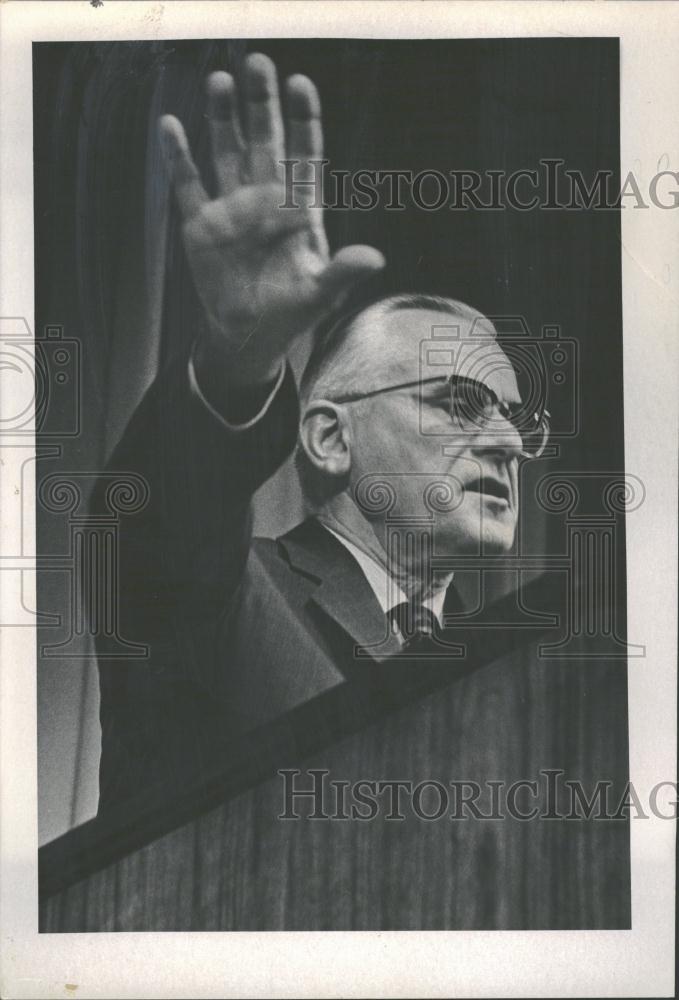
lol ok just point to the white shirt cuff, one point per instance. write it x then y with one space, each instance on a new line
196 390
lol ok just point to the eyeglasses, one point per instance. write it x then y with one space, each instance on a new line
474 407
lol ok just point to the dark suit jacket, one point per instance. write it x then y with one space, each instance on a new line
240 631
254 667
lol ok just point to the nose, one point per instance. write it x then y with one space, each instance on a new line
500 438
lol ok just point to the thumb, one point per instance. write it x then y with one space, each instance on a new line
349 266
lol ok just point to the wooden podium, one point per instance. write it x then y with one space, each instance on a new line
214 853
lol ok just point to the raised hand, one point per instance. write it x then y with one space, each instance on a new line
263 273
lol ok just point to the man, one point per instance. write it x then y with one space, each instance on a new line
408 459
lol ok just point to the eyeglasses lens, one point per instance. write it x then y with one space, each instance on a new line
474 407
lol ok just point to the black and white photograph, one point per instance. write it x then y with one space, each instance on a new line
327 517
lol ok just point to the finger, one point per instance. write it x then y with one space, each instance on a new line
305 135
349 266
189 191
305 149
227 142
266 143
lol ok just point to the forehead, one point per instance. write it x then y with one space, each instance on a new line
422 344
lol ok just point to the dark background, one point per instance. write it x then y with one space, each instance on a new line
477 105
106 272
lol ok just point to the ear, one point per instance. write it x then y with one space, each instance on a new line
326 437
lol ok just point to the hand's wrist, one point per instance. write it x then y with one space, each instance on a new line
236 393
220 368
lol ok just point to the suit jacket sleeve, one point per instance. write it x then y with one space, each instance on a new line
181 560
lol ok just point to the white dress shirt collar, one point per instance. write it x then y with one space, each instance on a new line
387 591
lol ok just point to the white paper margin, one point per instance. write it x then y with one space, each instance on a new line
639 962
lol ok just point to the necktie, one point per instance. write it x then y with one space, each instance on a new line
416 624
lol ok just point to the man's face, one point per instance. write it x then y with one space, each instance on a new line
408 438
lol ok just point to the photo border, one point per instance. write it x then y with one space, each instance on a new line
638 962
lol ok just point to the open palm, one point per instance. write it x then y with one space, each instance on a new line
262 271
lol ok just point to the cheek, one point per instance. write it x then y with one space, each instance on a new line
390 444
403 458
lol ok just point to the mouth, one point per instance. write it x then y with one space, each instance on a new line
489 486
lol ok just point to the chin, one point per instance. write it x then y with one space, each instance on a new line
490 537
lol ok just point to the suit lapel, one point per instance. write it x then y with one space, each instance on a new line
342 590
